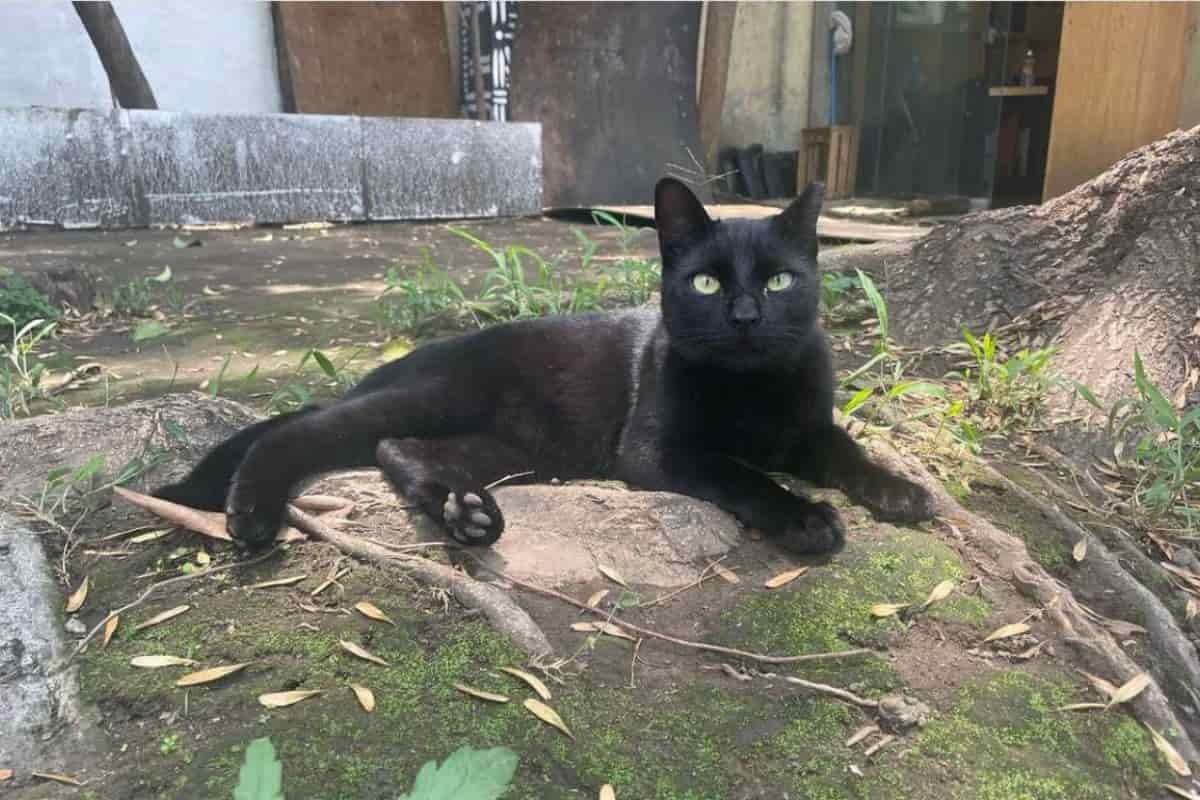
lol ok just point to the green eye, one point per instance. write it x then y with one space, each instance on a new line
706 284
779 281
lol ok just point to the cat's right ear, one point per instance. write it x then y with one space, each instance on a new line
679 217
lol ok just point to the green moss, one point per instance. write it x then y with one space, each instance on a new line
829 609
1128 748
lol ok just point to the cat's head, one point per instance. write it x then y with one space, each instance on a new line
739 294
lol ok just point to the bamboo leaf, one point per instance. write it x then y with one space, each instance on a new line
366 698
491 697
547 715
157 662
1007 631
784 578
284 699
357 650
158 619
534 682
210 675
371 611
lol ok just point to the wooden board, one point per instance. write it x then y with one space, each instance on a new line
373 59
1120 70
614 86
827 227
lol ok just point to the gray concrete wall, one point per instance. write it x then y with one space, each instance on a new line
79 168
197 56
767 90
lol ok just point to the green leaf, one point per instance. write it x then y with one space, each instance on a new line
468 774
916 387
856 402
877 302
324 363
1087 395
261 777
150 329
1163 410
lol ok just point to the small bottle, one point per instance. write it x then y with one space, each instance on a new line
1028 69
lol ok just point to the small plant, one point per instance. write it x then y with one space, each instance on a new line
20 372
169 744
294 394
140 297
466 774
632 280
1004 390
409 302
22 304
1165 447
836 289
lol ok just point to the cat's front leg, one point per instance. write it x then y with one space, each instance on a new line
829 457
792 521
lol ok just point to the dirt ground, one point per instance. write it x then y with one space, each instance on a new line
656 721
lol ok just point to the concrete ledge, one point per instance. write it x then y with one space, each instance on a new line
84 169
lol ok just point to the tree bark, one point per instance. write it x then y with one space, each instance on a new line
1110 268
125 77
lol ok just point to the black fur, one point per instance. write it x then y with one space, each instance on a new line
702 400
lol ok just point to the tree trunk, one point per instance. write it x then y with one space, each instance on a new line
1109 268
125 78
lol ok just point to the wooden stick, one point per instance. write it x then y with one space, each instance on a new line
833 691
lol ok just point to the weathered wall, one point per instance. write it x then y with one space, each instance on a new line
78 168
767 87
197 56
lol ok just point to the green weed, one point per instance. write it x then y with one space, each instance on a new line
1003 390
141 297
410 302
21 372
22 304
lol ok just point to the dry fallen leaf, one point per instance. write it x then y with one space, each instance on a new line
157 662
1079 552
887 609
860 734
366 698
612 575
727 575
784 578
491 697
371 611
1006 631
158 619
203 558
1192 608
939 593
1175 790
110 627
5 775
1130 689
57 778
1032 652
277 582
534 683
210 675
1176 761
150 536
1104 687
547 715
602 627
881 743
284 699
607 792
596 597
356 650
77 598
1081 706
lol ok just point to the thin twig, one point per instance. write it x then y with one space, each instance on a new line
507 478
833 691
705 574
153 588
712 648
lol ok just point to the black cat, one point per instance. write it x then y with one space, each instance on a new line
732 380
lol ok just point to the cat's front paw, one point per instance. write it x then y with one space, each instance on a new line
895 499
253 517
472 517
818 530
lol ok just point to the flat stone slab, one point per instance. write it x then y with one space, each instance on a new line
559 535
85 169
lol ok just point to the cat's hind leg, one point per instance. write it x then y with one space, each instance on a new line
447 479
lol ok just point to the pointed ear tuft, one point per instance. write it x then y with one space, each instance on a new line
798 222
679 217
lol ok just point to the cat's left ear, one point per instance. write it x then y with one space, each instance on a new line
798 222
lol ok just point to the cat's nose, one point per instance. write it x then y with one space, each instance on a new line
744 312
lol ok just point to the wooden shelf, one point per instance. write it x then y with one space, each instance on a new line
1018 91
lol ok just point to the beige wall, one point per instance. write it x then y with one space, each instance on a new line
766 94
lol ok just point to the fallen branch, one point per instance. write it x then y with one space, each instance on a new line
501 610
75 376
833 691
629 626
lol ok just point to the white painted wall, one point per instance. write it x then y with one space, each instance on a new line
198 56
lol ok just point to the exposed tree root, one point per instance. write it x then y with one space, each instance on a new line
1008 557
